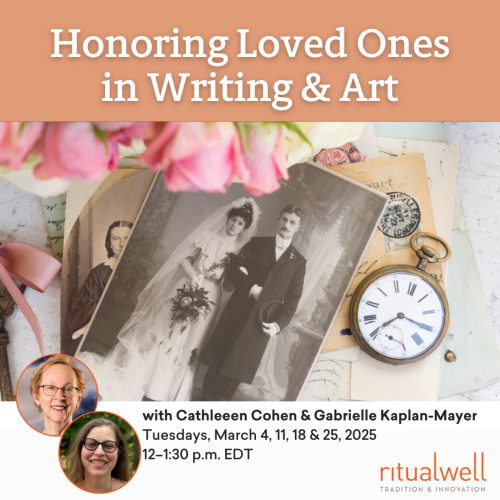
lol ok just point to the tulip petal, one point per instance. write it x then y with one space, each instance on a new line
196 156
266 164
210 170
17 140
72 151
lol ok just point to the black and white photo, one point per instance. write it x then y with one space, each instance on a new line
228 296
94 246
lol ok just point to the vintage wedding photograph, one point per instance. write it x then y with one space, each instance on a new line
221 297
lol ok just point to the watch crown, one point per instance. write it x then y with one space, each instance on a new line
427 250
427 255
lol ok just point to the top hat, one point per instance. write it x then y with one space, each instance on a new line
270 311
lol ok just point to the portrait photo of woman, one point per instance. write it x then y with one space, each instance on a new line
93 246
99 452
90 293
54 390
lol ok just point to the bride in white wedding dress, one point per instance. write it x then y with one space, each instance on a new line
155 356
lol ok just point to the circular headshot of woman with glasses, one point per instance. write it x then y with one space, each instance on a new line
53 390
99 452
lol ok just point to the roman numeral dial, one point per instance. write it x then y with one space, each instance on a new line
400 315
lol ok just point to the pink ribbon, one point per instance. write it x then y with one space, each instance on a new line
33 268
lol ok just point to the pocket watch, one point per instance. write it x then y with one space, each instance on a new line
400 314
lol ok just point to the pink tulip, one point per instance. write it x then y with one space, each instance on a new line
196 156
128 130
124 134
16 144
267 163
112 126
72 151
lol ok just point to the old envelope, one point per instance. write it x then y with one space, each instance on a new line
404 179
418 382
441 160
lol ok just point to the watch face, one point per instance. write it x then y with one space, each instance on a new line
401 315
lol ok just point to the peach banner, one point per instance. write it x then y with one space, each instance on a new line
454 78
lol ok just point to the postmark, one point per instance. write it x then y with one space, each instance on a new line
401 219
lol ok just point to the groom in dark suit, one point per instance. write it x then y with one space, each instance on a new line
268 271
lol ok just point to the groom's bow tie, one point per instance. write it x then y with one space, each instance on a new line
280 245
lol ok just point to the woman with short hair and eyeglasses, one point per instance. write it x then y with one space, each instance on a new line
99 460
57 387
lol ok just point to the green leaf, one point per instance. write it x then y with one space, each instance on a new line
242 129
294 127
101 134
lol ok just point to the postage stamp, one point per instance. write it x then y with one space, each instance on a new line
402 218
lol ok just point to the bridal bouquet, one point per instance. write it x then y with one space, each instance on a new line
44 158
189 304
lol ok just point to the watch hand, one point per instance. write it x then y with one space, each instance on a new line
421 325
390 337
404 347
389 322
399 316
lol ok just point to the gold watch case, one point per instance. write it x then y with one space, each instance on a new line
426 255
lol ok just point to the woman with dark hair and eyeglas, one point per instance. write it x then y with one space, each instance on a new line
99 460
90 293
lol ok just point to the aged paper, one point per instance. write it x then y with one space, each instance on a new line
416 131
423 131
441 160
404 179
350 354
345 383
367 143
79 193
472 335
324 380
54 209
94 244
376 381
